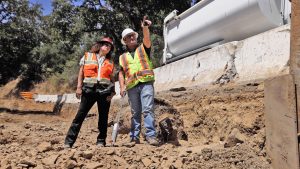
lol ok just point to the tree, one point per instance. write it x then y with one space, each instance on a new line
62 37
19 34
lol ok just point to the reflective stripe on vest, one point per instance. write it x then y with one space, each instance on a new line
90 69
137 69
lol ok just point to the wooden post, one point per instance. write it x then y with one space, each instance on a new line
295 41
281 122
282 105
295 56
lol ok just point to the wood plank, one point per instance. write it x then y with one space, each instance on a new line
295 56
281 122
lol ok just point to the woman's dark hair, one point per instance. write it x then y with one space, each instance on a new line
109 55
95 47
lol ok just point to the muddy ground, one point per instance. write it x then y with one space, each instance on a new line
213 128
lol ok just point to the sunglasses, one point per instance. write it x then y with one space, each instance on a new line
129 35
106 44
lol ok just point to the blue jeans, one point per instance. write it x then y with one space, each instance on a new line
141 100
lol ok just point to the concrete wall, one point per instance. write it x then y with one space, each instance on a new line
65 98
259 57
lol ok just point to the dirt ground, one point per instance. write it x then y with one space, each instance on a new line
213 128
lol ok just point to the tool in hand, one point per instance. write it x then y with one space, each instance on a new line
116 125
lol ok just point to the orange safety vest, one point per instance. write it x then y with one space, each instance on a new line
137 68
90 69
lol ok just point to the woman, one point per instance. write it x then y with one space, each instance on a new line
95 84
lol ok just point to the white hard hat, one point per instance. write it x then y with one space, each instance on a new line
126 32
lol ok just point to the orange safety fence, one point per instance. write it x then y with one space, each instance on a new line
27 95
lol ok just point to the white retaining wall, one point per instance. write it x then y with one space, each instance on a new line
65 98
259 57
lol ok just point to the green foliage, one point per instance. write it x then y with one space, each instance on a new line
19 34
157 49
64 22
67 80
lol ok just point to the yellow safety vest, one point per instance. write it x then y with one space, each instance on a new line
138 68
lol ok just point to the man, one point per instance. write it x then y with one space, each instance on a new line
137 77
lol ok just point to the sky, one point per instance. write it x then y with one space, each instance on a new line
46 5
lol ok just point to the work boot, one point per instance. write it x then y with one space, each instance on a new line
152 141
132 142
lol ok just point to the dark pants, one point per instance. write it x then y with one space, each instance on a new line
88 99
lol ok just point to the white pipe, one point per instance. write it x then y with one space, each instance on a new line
212 20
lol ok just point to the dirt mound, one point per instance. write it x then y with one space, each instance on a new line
54 85
8 88
223 128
